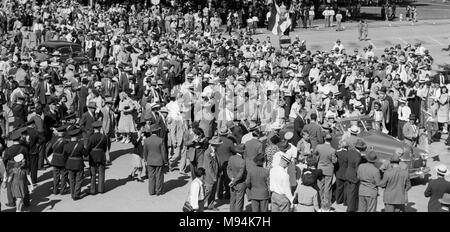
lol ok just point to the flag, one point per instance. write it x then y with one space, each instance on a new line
277 23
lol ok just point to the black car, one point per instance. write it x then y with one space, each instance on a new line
66 49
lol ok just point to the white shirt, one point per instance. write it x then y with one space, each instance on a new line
174 110
292 152
294 110
247 137
196 193
403 113
279 182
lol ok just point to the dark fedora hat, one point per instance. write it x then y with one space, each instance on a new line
371 157
259 159
360 144
283 146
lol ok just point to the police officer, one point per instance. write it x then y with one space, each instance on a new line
97 146
58 161
74 151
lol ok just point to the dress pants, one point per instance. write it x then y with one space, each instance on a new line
222 183
394 207
155 179
340 193
280 203
260 205
324 185
59 179
351 190
210 194
34 166
237 197
100 169
367 204
75 180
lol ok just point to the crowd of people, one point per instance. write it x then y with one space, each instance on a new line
239 115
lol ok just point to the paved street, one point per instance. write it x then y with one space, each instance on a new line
123 195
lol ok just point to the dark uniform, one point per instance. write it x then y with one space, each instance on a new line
34 149
75 152
20 113
96 147
58 162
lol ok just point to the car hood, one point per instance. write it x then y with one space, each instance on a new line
386 144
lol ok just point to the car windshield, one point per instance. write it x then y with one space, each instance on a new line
365 123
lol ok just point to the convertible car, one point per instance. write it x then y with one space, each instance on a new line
384 145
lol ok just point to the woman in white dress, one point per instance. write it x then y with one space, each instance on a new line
126 123
442 113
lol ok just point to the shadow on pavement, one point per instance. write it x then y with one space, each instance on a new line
114 183
173 184
45 176
116 154
39 197
220 202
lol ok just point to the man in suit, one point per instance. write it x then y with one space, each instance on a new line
410 131
341 155
367 102
314 131
299 124
110 88
258 184
155 156
224 152
82 96
252 148
211 166
108 123
44 90
369 179
86 121
326 155
396 183
437 188
387 106
97 146
351 177
237 173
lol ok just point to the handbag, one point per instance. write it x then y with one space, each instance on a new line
187 207
74 163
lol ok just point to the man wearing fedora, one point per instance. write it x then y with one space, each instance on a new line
314 131
411 131
44 90
341 155
108 123
155 156
86 120
351 185
396 183
326 156
369 179
75 151
97 146
237 173
258 184
211 166
437 188
224 152
282 198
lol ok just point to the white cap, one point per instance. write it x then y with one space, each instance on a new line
18 157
